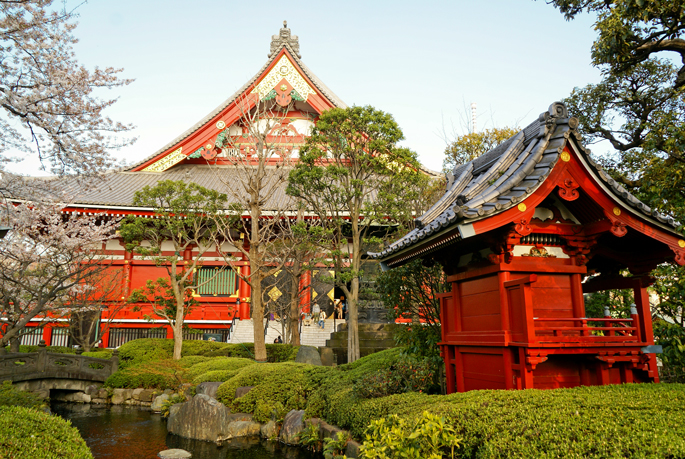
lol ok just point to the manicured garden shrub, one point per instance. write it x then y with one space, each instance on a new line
280 387
10 396
144 350
428 437
57 349
218 363
161 374
215 376
632 420
99 354
191 360
27 433
407 375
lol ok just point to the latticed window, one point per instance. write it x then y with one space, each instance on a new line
216 281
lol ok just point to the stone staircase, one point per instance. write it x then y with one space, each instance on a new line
311 335
372 338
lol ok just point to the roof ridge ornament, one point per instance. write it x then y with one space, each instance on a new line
283 38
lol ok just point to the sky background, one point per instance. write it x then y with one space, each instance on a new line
423 62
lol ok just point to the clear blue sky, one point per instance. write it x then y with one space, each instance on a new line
422 61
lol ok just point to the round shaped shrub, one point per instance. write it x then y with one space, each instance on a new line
26 433
278 387
144 350
218 363
215 376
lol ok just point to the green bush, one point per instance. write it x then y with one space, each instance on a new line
215 376
428 437
26 433
279 388
162 374
10 396
144 350
407 375
57 349
190 360
631 420
102 354
218 363
672 338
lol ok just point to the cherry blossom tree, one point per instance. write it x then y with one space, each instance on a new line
47 257
49 103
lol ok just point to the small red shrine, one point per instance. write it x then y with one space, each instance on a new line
523 232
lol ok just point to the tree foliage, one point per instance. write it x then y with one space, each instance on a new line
185 217
410 292
50 103
353 176
46 258
468 147
632 31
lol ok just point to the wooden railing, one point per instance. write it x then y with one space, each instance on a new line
547 329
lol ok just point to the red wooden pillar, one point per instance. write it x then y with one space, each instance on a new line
47 334
305 288
244 293
643 310
105 340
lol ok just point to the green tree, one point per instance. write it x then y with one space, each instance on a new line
348 174
468 147
632 31
185 216
410 292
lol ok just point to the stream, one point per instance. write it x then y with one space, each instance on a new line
119 432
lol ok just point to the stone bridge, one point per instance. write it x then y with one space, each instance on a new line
43 371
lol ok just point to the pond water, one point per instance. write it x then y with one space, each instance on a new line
120 432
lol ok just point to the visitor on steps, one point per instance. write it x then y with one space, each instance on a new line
322 320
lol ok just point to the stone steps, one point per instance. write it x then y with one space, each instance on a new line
312 335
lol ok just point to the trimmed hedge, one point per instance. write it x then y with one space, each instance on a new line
162 374
145 350
10 396
99 354
279 388
26 433
218 363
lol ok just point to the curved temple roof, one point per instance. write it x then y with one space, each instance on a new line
506 175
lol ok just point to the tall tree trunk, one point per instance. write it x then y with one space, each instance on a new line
258 320
353 351
294 313
178 329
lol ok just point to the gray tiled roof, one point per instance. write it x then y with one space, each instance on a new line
504 176
320 86
117 189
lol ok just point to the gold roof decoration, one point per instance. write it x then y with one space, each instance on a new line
166 162
284 69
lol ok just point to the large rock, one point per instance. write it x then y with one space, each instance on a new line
270 430
119 396
201 418
158 402
146 395
239 429
293 424
135 395
174 454
308 354
208 388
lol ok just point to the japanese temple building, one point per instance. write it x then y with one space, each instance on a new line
193 157
523 232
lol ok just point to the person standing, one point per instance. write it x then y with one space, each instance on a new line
322 319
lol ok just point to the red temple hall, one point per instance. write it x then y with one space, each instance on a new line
523 232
